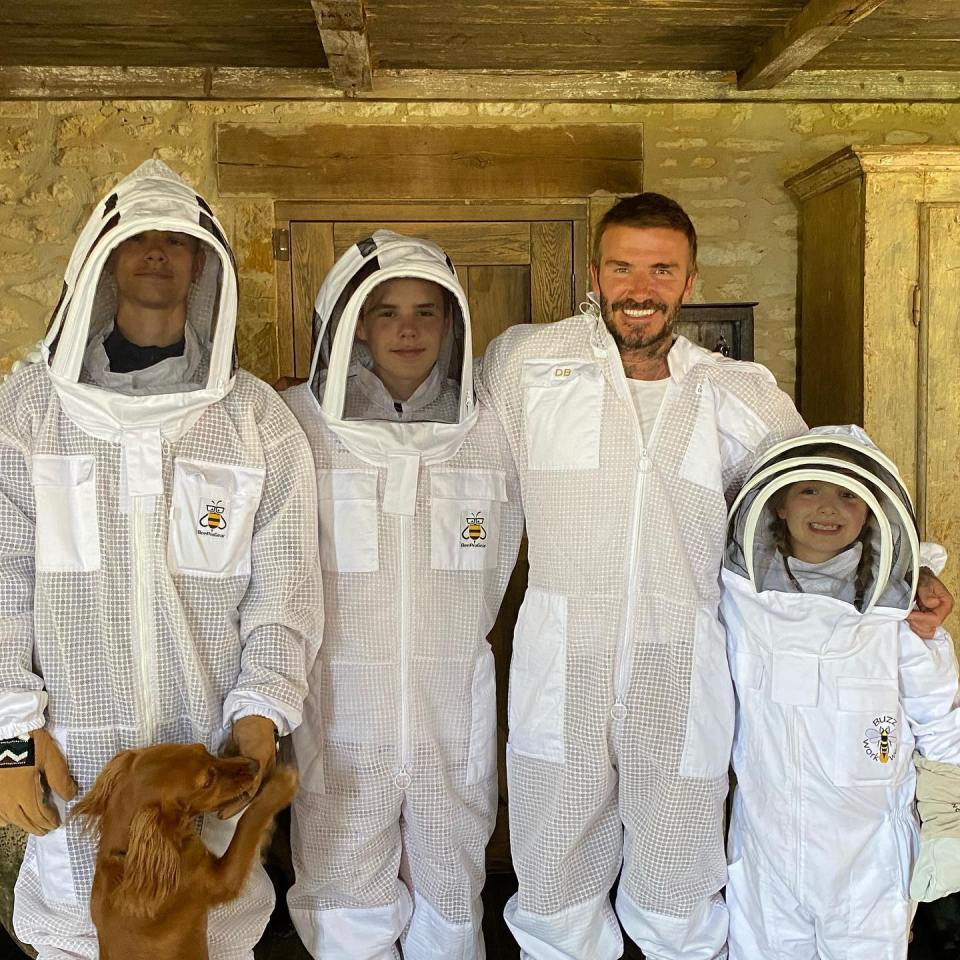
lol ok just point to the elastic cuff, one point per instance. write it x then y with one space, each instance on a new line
21 711
247 704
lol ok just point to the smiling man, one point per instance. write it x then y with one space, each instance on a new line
630 441
627 437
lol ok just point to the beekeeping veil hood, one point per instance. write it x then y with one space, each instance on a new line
353 401
844 456
172 394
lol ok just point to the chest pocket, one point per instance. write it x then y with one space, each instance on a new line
563 403
65 494
868 749
211 518
702 463
349 539
465 519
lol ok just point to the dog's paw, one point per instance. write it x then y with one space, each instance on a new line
280 788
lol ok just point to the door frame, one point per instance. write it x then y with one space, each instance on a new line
294 343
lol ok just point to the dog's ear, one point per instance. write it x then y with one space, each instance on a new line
151 870
94 804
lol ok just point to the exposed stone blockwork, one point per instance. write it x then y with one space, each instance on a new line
725 163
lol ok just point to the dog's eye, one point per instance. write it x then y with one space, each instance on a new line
209 778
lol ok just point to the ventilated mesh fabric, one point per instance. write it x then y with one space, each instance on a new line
137 634
354 282
395 752
436 400
617 786
851 460
820 686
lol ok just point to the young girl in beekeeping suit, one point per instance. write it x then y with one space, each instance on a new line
835 692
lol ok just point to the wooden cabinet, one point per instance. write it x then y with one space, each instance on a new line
879 315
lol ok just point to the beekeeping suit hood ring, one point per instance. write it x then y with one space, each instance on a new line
846 457
152 198
340 357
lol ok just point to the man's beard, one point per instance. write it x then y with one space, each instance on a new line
637 340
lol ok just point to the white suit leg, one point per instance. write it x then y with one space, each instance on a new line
585 931
446 826
348 902
674 866
567 844
47 914
766 920
234 928
700 936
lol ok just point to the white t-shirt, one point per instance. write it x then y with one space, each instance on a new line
647 398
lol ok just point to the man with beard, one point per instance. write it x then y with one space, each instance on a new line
630 442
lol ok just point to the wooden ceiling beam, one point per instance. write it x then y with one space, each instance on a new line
250 84
343 32
814 28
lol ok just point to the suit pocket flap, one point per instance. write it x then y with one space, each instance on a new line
347 484
51 471
234 481
468 485
559 373
872 696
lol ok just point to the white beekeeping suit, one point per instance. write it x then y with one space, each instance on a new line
419 530
835 692
621 707
159 577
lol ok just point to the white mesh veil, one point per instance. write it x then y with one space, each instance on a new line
846 457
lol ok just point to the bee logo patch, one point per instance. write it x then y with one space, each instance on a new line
880 740
213 520
474 531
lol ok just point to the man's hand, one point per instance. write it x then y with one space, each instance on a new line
23 785
255 738
935 603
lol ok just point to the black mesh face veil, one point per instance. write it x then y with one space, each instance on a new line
758 545
329 330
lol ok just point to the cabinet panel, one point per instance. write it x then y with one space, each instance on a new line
830 339
939 436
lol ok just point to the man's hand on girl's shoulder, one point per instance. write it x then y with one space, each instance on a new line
934 605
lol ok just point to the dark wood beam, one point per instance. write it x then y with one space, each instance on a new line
815 27
343 32
579 86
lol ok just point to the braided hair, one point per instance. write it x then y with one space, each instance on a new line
781 536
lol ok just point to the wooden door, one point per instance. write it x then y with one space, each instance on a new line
938 409
519 263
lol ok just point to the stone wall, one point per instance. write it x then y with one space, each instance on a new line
725 163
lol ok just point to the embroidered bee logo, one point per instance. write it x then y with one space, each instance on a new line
474 530
880 740
213 517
